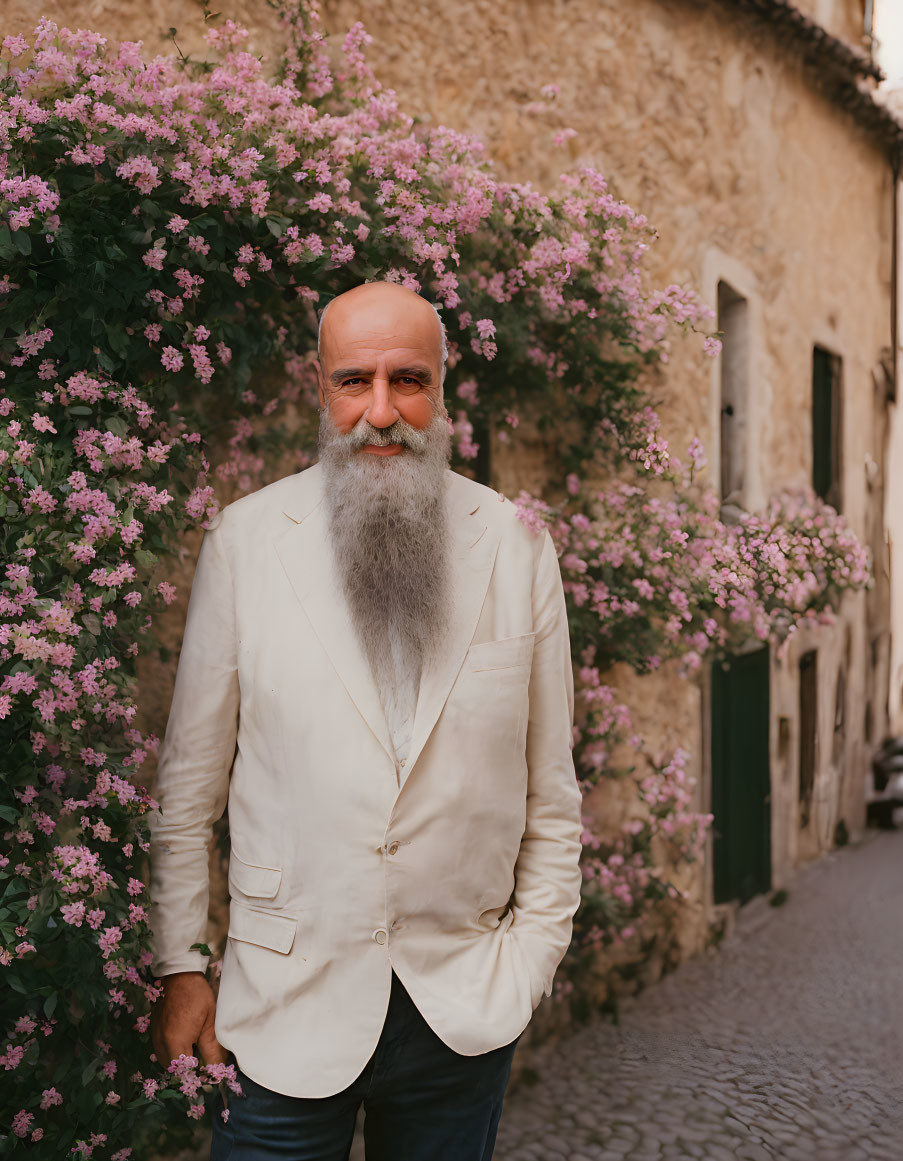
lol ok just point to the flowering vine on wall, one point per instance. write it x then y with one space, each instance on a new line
167 228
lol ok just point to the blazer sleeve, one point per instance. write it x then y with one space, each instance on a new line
547 872
195 759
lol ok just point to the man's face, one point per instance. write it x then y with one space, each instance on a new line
380 360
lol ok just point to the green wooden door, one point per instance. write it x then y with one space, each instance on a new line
741 778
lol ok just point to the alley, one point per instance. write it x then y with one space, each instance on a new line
786 1043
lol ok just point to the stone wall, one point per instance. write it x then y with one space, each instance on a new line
712 128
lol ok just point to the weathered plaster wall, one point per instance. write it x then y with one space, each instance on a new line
711 128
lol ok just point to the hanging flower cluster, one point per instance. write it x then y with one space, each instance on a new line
651 578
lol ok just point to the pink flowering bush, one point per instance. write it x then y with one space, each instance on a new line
167 228
656 577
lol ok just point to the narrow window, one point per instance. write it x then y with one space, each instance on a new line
808 731
733 323
827 426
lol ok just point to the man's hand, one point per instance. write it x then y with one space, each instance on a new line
183 1018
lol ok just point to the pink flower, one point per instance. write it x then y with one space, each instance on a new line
171 359
73 913
22 1123
15 45
167 591
341 254
109 940
154 258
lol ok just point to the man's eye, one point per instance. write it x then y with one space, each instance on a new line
408 381
356 381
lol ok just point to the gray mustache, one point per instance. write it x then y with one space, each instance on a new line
400 431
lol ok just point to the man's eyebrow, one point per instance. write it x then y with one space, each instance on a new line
416 371
348 373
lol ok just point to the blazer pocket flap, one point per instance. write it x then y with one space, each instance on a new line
253 879
263 928
502 654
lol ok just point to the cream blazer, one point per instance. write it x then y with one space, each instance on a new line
459 869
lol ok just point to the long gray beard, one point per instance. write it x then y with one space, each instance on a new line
389 532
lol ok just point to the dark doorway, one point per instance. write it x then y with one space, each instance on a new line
741 776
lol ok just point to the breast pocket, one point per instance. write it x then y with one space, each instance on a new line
253 879
507 653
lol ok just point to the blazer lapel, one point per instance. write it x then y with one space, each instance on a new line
306 555
474 548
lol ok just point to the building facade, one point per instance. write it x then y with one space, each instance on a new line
748 133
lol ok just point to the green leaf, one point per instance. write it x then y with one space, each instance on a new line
50 1004
81 410
22 241
274 227
202 948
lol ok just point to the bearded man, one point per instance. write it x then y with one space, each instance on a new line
376 676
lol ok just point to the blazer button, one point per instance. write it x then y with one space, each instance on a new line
392 848
380 935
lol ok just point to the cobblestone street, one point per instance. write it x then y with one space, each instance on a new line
785 1043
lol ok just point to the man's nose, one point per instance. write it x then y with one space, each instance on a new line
381 410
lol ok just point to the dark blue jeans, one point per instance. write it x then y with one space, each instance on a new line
422 1102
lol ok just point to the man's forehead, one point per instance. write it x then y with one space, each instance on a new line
374 346
380 322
